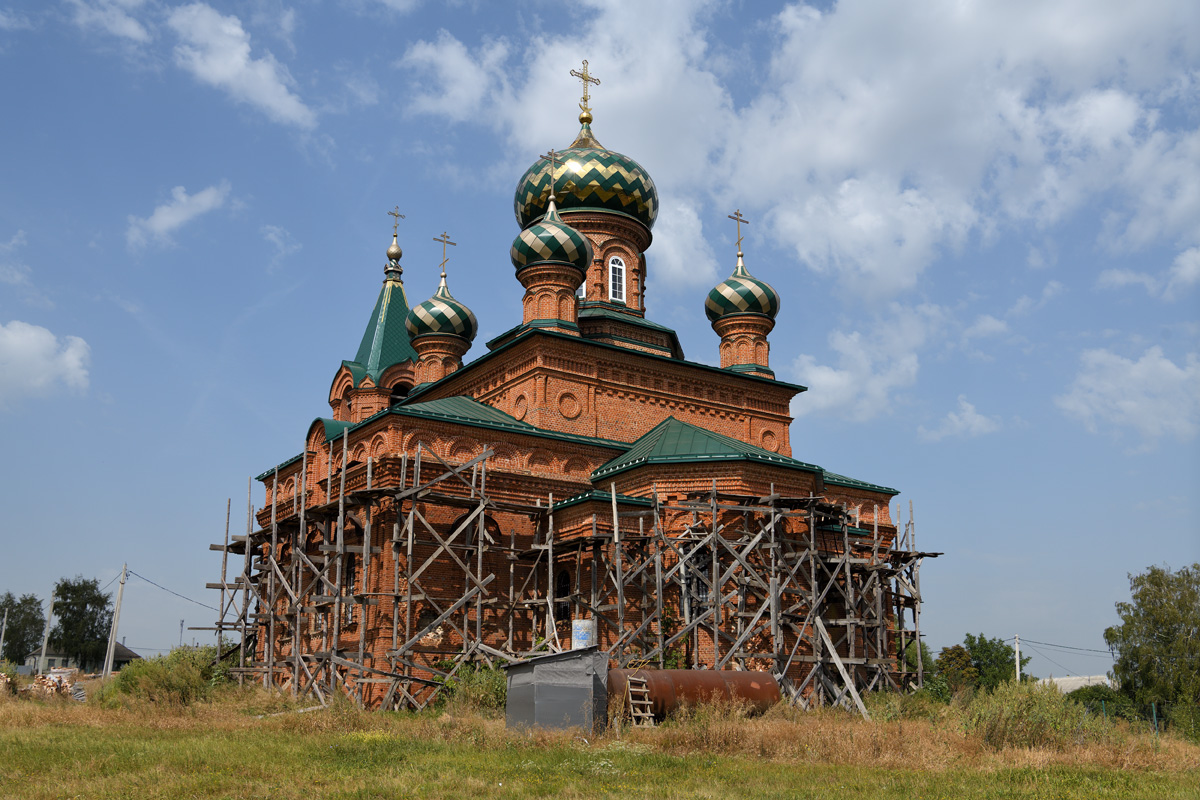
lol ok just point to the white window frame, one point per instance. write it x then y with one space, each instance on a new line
616 279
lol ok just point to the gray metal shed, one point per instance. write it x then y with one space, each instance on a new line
561 690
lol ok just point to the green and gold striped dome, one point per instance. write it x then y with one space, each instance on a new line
441 314
551 241
588 177
741 293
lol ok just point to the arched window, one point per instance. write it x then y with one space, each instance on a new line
616 279
562 591
399 392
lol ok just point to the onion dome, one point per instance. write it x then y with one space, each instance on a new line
441 314
741 293
393 270
551 241
588 178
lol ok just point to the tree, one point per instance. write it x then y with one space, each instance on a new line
1157 644
83 616
25 625
954 664
993 660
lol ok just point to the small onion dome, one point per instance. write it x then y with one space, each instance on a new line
588 178
394 252
741 293
551 241
441 314
392 270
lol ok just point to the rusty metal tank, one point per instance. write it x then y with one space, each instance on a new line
671 688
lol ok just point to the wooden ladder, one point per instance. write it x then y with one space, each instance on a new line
637 695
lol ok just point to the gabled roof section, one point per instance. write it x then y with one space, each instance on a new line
468 411
333 427
676 442
385 342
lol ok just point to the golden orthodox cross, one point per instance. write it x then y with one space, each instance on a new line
740 220
586 78
445 240
552 157
396 223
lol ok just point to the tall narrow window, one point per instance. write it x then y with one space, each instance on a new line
616 279
562 594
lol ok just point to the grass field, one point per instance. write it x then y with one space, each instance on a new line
61 749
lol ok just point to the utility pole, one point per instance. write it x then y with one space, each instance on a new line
181 633
112 634
3 630
1017 651
46 637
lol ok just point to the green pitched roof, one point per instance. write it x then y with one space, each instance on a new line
468 411
854 483
385 341
602 497
675 442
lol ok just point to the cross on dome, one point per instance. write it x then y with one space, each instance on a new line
552 157
585 115
396 223
445 240
737 217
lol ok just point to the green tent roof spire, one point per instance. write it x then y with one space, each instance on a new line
385 342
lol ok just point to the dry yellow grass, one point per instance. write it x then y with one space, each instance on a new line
224 749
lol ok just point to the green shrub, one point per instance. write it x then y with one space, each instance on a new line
889 706
1105 701
936 688
480 689
1032 715
1184 720
183 676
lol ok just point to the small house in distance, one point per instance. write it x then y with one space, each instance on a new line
57 659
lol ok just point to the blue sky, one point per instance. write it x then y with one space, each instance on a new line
983 220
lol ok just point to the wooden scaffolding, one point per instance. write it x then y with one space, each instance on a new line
349 594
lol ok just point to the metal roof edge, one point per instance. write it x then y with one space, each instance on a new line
853 483
599 495
280 465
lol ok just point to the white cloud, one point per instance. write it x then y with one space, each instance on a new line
985 325
681 256
15 273
216 50
1183 274
1120 278
1027 305
34 362
112 17
399 6
870 367
886 136
285 246
170 216
1153 395
461 79
987 115
12 21
966 422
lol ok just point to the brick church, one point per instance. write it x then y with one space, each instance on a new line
465 505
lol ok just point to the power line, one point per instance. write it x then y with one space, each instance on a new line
1068 647
1052 661
168 591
